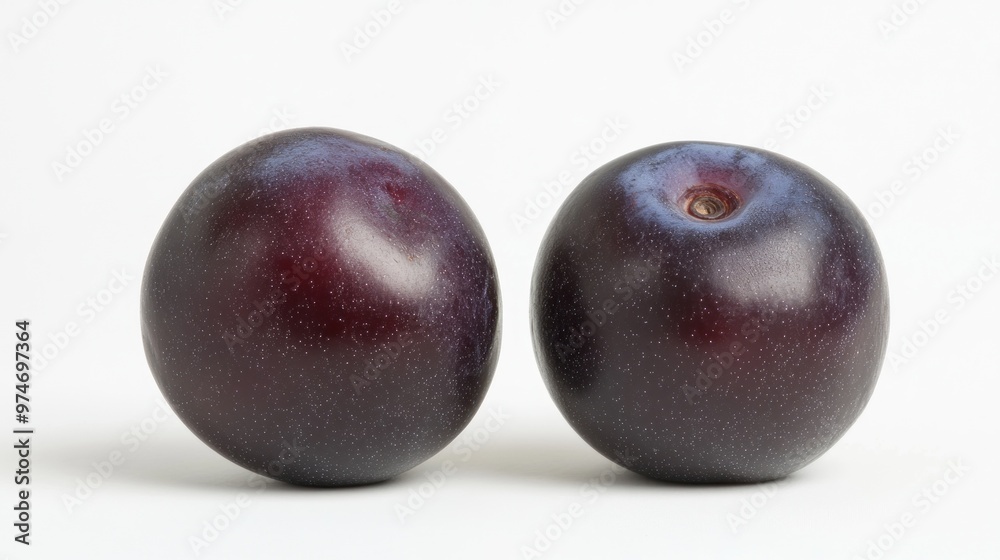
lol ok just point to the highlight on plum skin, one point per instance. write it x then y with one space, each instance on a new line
709 313
322 308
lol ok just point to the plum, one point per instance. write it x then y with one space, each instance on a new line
322 308
709 313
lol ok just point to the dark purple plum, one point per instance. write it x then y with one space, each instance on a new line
709 313
322 308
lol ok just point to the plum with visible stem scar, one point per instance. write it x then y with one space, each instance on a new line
322 308
715 313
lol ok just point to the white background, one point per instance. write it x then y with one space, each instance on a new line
827 83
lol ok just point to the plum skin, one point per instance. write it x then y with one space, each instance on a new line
322 308
729 338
